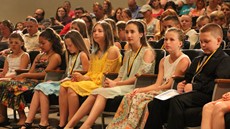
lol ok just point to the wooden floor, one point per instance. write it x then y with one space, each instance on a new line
53 120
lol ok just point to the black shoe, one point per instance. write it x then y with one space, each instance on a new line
59 127
27 125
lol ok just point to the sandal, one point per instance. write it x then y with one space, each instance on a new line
4 123
26 126
43 127
59 127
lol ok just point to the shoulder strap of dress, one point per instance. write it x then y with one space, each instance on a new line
51 55
182 56
22 54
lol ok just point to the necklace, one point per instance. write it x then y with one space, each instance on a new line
131 61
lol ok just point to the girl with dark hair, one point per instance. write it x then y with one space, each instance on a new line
11 92
139 59
126 15
62 17
6 28
105 58
78 59
108 9
171 5
117 14
157 9
19 26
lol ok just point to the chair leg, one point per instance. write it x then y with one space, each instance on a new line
15 115
102 121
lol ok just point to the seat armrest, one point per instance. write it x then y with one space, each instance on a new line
20 71
56 71
222 86
111 75
176 80
54 75
223 81
145 80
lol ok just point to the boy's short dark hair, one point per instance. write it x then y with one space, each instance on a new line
213 28
121 25
173 18
80 8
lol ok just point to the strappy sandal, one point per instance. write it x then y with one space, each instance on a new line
27 126
43 127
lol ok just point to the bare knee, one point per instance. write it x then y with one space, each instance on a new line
71 92
208 108
220 109
100 97
63 90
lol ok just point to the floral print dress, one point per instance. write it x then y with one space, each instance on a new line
11 92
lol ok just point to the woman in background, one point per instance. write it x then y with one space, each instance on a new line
61 17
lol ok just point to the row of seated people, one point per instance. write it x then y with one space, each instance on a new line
120 124
110 65
112 106
109 82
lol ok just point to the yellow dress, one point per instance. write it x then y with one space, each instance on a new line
97 67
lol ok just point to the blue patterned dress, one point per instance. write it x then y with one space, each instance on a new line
52 87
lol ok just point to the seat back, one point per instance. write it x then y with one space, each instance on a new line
160 53
63 60
3 45
153 44
54 75
145 80
33 55
227 51
123 43
122 51
57 28
186 44
192 53
222 86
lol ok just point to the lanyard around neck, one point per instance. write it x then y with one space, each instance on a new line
131 65
201 65
73 64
